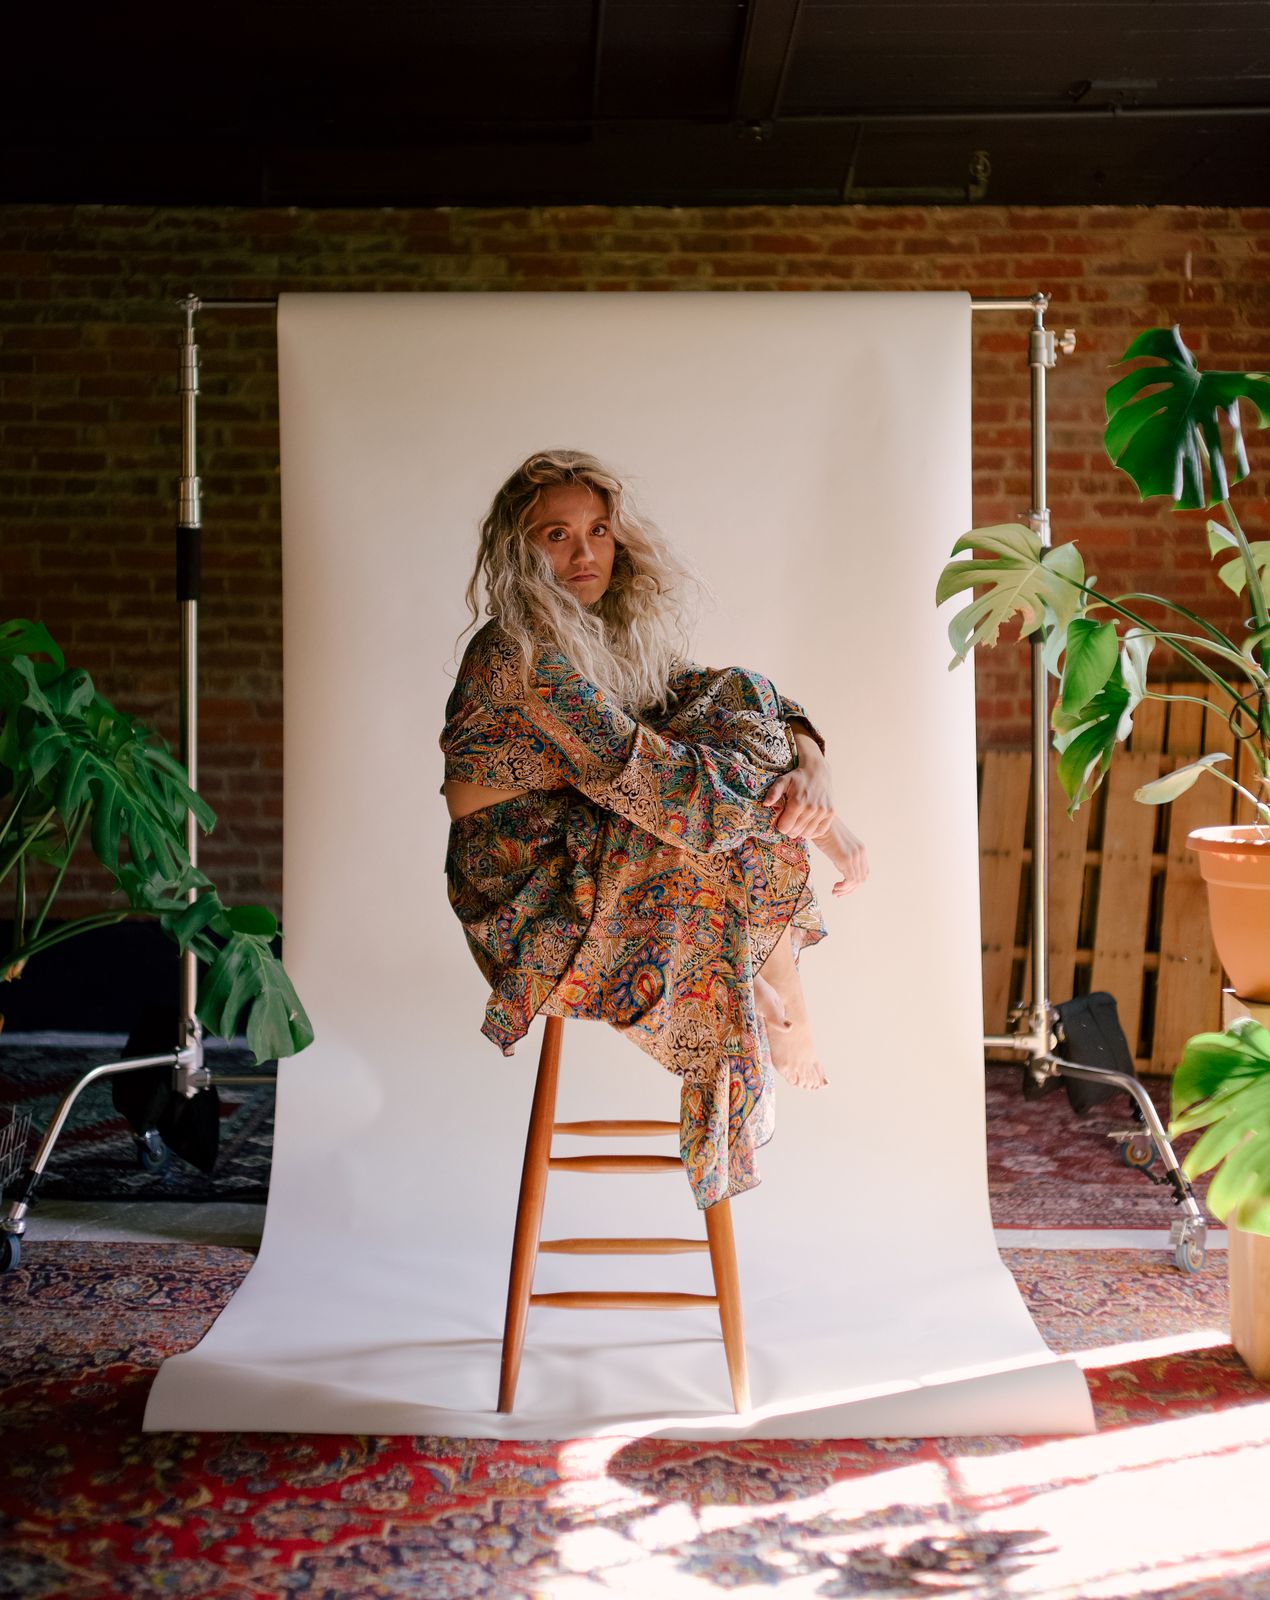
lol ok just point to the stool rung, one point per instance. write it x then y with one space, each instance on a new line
621 1247
622 1300
593 1130
615 1164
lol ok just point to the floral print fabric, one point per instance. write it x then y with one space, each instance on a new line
636 879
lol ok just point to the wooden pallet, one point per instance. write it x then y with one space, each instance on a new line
1128 910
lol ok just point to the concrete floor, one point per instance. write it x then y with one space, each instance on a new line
148 1221
228 1223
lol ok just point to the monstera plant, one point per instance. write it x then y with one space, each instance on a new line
1175 431
1222 1084
1164 430
70 765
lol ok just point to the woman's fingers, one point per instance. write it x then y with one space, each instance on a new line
801 821
854 872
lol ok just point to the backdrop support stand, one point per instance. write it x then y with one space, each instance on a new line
190 1076
1034 1035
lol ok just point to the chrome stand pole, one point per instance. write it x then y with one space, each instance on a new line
189 573
191 1075
1036 1036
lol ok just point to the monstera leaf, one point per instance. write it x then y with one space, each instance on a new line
70 761
1038 586
1161 421
1093 648
18 637
246 977
1086 731
137 791
1222 1084
1233 572
1160 791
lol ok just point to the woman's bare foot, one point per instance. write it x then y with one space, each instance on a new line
793 1049
847 854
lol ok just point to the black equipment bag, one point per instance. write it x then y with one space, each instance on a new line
1089 1033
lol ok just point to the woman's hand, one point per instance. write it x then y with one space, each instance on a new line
847 854
802 800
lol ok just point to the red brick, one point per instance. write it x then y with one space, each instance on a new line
91 429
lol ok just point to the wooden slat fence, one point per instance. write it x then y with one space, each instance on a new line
1128 908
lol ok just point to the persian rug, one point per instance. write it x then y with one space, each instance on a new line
1157 1503
1050 1168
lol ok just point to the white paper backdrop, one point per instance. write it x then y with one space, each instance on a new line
812 453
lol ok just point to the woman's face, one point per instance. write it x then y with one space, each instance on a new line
571 524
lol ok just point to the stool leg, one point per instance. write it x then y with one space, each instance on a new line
533 1193
727 1285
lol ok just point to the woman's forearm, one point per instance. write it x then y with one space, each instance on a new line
809 752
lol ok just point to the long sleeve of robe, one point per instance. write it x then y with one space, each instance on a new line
636 878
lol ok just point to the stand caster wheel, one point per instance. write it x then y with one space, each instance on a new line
1138 1151
152 1154
10 1251
1190 1256
1189 1239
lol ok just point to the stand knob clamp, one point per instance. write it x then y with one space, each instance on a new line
189 1075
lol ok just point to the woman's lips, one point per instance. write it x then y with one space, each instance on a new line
583 577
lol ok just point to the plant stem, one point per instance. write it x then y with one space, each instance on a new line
6 866
1257 598
1255 592
1209 628
71 843
70 930
1195 699
1200 666
1254 672
17 807
1262 808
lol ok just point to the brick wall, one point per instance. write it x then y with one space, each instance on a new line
89 421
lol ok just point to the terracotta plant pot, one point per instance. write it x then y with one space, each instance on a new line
1235 862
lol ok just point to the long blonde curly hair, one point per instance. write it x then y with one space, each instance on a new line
628 641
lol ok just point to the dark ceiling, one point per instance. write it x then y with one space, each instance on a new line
517 102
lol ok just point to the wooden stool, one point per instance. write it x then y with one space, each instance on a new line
527 1244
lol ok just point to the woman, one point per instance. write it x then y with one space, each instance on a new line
628 833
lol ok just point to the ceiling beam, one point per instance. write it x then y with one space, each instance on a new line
766 49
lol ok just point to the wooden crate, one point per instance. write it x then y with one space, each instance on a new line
1128 911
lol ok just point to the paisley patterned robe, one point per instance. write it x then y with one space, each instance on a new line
636 879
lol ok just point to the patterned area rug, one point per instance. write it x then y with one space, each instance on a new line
1047 1167
96 1155
1159 1502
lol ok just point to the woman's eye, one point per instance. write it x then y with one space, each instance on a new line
600 527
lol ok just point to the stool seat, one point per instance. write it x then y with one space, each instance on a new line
527 1244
